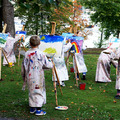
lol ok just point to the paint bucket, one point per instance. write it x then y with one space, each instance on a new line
71 69
82 86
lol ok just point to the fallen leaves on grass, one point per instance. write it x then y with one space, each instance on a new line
67 119
104 91
3 111
90 88
78 109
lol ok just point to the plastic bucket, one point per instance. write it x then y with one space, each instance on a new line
82 86
71 69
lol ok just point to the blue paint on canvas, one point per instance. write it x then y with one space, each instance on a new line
67 34
75 38
51 38
21 32
116 40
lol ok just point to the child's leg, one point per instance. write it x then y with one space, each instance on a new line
118 94
84 74
32 110
63 84
38 108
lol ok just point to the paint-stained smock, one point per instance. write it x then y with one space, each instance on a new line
117 57
105 60
32 71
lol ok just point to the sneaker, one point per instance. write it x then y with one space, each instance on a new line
57 83
117 97
84 77
40 112
32 110
77 76
63 84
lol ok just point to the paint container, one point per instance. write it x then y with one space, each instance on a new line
82 86
71 69
10 64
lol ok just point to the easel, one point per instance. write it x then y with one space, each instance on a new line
76 67
2 51
20 43
70 31
75 29
73 55
54 72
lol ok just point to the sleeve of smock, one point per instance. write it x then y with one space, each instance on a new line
47 63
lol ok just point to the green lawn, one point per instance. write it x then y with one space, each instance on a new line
96 102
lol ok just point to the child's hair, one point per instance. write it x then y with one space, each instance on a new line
34 40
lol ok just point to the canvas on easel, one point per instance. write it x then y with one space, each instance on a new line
3 40
21 35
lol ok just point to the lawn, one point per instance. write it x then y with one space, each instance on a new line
96 102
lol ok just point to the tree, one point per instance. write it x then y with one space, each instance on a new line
37 14
74 13
107 13
7 16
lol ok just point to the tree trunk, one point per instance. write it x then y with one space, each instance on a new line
8 17
1 16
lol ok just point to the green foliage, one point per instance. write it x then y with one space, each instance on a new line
107 13
96 102
37 14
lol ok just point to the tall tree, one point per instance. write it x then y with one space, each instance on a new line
0 15
107 13
8 16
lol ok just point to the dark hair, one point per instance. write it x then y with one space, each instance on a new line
34 40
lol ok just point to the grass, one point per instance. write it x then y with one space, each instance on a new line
96 102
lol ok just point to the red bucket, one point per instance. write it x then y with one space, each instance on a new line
71 69
82 86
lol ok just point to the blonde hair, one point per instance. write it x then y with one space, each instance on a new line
34 40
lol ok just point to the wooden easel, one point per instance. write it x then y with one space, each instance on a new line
75 29
20 43
73 55
53 28
2 51
76 67
54 72
71 27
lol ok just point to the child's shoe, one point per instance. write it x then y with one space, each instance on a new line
40 112
84 77
32 110
63 84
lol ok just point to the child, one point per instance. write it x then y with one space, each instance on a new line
103 66
80 59
80 63
60 64
32 72
9 51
